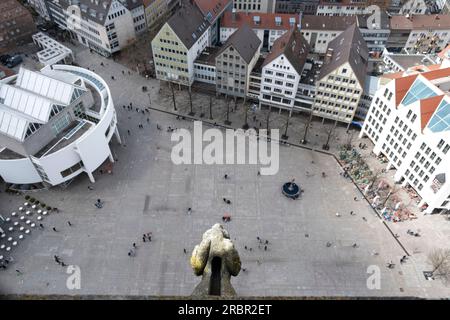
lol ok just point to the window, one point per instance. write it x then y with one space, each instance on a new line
72 169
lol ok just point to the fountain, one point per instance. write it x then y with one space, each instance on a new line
291 189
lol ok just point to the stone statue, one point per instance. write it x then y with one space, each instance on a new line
216 260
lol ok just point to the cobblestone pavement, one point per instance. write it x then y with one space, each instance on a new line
148 193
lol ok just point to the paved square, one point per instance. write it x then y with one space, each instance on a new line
147 193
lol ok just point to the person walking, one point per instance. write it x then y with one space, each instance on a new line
189 210
184 250
134 245
41 226
54 229
69 223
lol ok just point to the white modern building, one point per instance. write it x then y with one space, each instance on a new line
52 51
54 125
409 123
282 70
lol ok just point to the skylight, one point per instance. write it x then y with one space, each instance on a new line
418 91
441 118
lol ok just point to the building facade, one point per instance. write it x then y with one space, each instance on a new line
178 44
40 6
282 71
267 26
52 126
409 122
319 31
349 7
261 6
235 62
421 34
155 10
104 26
296 6
342 77
16 25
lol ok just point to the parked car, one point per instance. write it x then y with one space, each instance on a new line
14 61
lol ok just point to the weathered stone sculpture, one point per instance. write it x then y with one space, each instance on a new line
216 260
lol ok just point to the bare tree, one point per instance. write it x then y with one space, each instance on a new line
191 113
285 136
326 146
268 117
304 141
173 96
440 262
245 126
227 121
210 108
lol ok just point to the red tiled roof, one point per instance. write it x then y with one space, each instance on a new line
402 86
427 109
267 20
436 74
215 7
421 22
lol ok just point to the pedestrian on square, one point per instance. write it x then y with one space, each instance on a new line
228 201
184 250
143 238
90 188
134 245
189 210
245 247
69 223
63 264
225 176
54 229
267 242
351 213
19 273
41 225
265 248
224 200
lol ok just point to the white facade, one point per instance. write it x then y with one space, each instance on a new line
205 73
429 40
53 52
338 94
40 7
319 39
83 149
103 33
264 6
409 123
139 19
279 83
341 10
